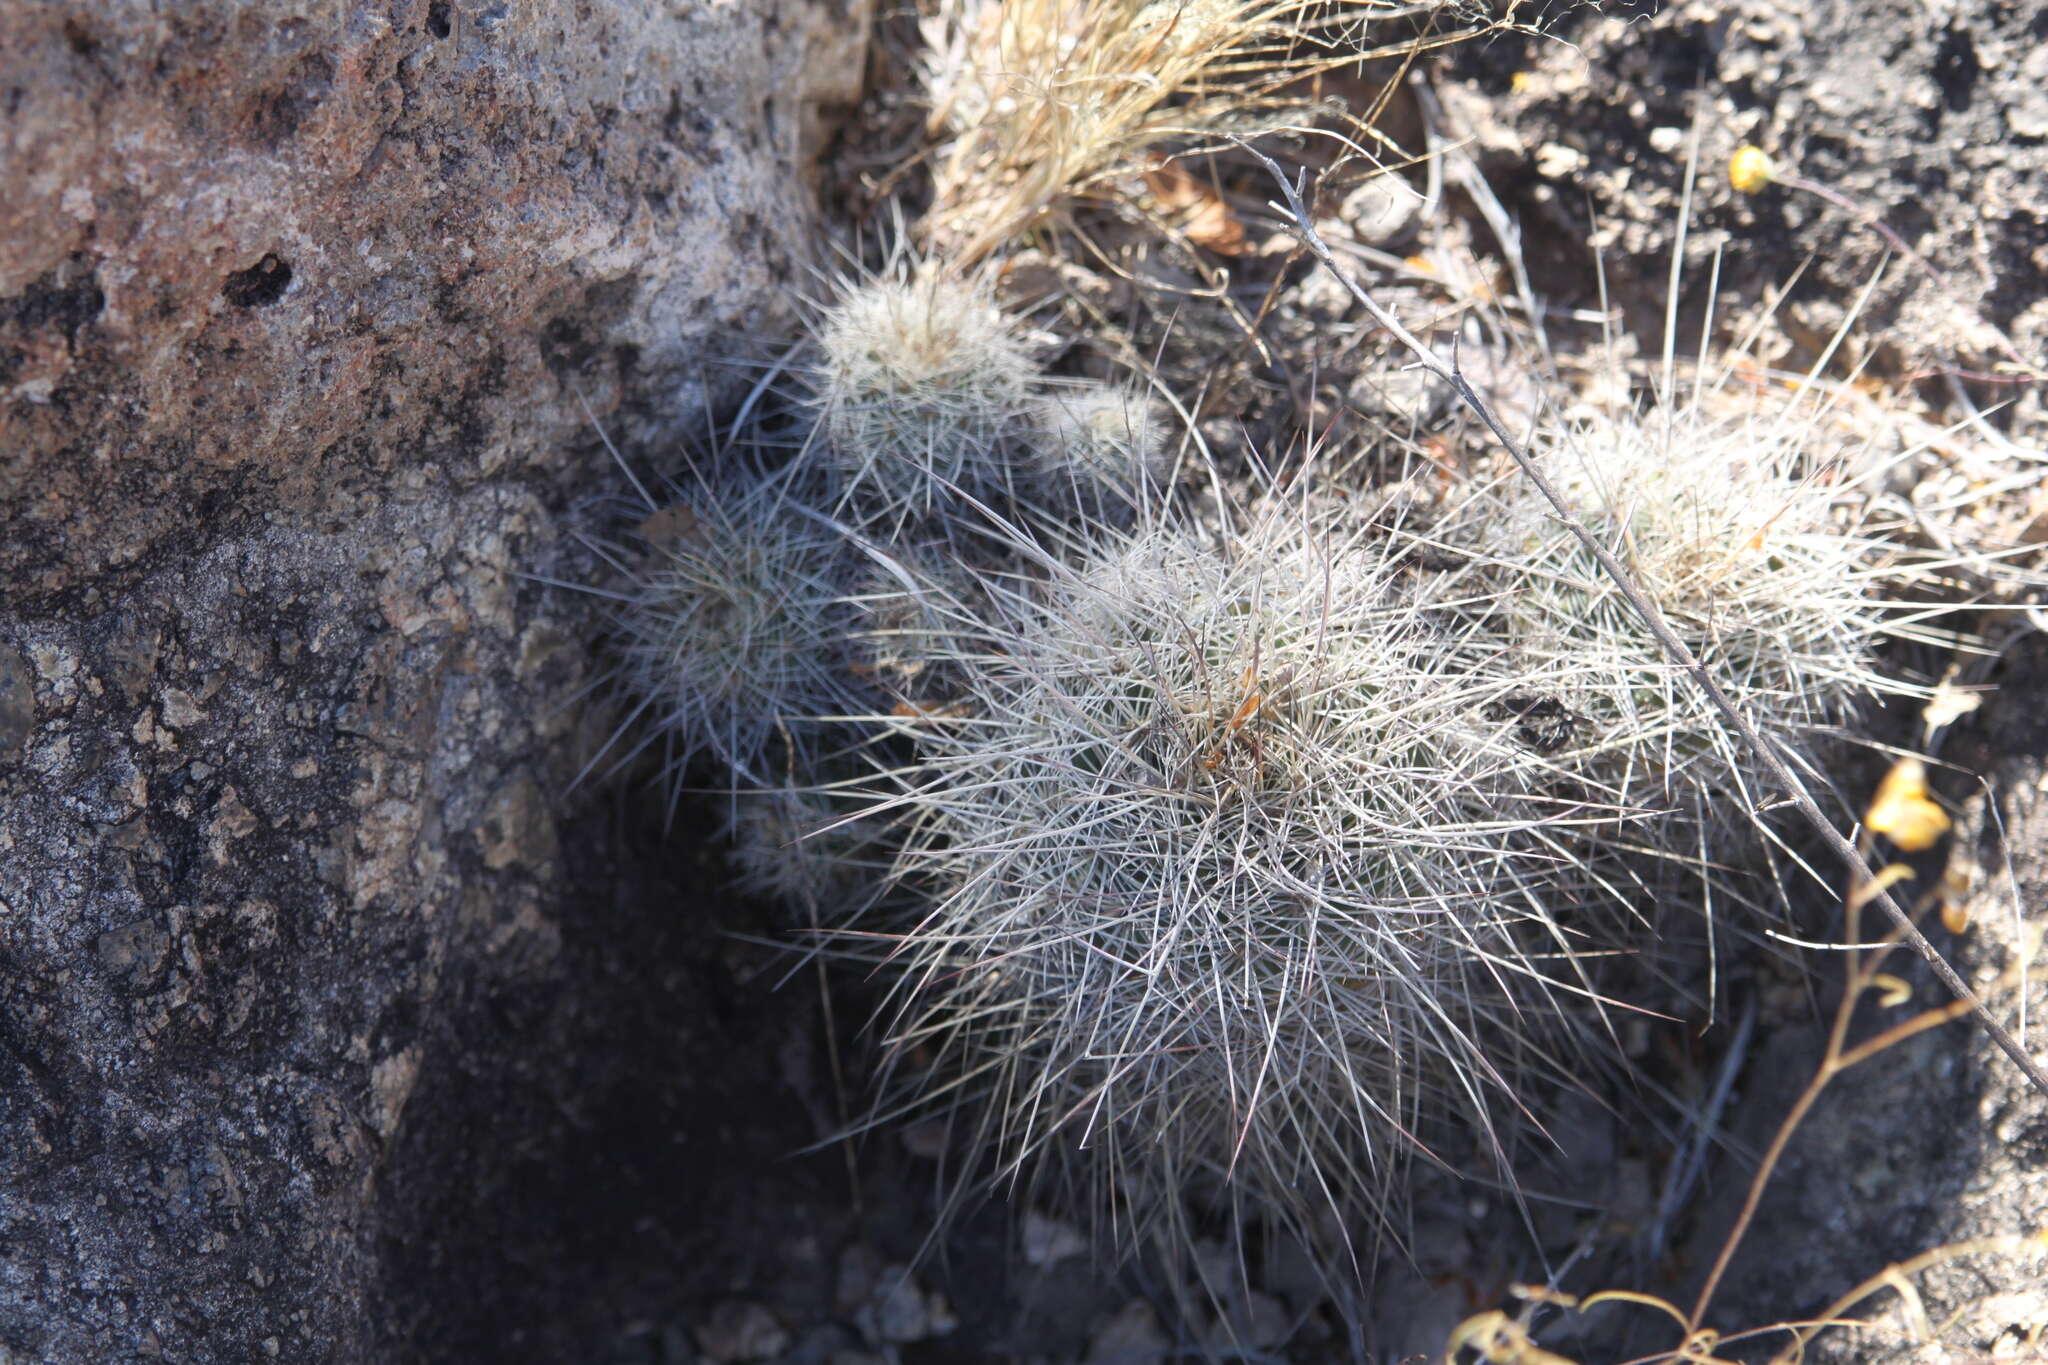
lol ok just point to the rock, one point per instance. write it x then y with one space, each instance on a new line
1132 1337
1384 211
1413 1317
1253 1322
268 256
900 1311
860 1267
296 301
741 1332
926 1140
1048 1241
826 1343
17 704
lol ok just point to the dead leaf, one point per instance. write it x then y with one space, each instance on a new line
1199 211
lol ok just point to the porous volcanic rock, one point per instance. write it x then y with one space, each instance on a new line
257 256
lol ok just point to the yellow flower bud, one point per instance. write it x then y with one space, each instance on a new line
1750 169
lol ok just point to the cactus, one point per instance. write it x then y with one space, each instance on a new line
1104 447
734 634
1751 534
1229 879
921 388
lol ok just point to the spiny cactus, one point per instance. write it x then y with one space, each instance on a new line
1230 880
806 848
921 388
1749 532
734 634
1107 445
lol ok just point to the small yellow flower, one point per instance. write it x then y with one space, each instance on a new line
1750 169
1902 812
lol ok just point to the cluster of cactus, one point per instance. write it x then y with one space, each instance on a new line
1249 861
784 609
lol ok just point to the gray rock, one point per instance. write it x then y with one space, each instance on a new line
1048 1241
1132 1336
295 301
899 1310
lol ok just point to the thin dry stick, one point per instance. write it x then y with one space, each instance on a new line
1896 1277
1861 973
1794 789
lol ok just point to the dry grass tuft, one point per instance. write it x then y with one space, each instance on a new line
1039 102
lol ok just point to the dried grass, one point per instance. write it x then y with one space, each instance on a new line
1036 103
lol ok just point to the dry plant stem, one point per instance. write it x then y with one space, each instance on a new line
1895 1277
1794 789
1862 970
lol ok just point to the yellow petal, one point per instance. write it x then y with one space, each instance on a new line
1750 169
1902 812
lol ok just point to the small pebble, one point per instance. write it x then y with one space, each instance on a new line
740 1332
1048 1241
897 1313
1256 1322
1132 1337
859 1267
926 1140
1383 211
1555 161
